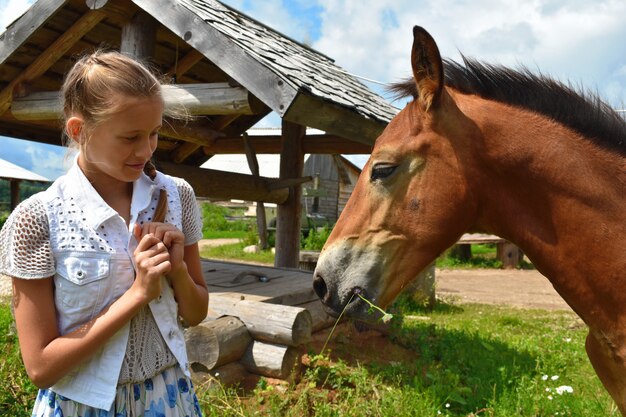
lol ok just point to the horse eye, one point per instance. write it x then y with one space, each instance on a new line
382 171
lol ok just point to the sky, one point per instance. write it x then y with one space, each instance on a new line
579 42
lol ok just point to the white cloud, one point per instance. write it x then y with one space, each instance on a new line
49 161
581 42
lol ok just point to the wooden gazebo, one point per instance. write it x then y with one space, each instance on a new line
226 68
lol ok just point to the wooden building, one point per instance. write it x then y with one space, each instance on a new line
334 178
15 175
226 68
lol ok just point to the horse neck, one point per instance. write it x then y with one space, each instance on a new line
552 192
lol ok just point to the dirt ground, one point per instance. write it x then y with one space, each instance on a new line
519 288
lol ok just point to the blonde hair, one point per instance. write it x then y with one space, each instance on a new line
92 88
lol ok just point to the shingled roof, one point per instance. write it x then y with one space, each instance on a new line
201 42
302 67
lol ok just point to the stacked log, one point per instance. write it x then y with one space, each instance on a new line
242 336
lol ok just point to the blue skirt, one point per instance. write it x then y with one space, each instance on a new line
168 394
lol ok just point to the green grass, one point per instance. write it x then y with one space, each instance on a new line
17 394
235 251
457 360
224 234
469 360
483 257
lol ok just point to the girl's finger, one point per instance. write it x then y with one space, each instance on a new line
137 232
173 236
147 242
154 261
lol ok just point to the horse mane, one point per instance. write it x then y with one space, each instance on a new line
581 111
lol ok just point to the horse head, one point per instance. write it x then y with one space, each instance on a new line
412 201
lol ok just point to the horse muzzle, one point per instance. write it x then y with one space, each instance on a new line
344 278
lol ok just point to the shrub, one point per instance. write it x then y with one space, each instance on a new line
3 218
216 218
316 238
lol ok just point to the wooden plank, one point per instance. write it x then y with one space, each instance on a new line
271 144
224 185
19 31
55 51
288 213
479 238
284 285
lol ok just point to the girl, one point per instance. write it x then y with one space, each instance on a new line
100 287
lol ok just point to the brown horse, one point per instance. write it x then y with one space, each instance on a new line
490 149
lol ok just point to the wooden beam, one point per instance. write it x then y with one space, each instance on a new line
52 54
189 132
211 99
186 149
288 213
289 182
222 185
19 31
190 99
185 64
335 119
271 144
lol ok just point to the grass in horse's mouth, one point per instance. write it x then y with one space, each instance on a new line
357 292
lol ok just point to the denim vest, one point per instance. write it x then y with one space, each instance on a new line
92 248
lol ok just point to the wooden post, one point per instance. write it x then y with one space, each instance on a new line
508 254
461 251
261 223
15 193
422 288
288 213
139 36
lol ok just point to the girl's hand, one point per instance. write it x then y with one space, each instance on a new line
152 260
172 238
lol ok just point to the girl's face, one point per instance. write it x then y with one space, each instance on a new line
120 146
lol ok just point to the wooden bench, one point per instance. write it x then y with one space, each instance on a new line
509 254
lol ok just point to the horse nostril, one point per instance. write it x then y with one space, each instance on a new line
319 286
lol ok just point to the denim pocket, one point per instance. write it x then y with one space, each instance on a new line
80 278
84 268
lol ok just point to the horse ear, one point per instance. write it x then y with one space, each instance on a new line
427 67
